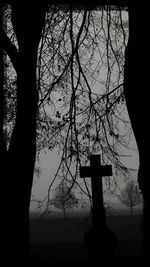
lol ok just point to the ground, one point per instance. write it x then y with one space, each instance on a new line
58 241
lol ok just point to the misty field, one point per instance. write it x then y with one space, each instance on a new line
61 240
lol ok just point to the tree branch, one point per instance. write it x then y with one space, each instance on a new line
11 50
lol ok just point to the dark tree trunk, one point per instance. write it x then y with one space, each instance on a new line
28 21
4 182
137 99
2 139
22 152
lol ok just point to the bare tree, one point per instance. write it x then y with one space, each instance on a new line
131 195
64 198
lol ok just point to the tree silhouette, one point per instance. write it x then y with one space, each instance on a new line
134 81
23 137
2 143
130 195
64 198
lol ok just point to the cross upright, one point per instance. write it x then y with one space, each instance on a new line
96 171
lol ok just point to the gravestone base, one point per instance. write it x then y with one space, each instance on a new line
101 245
100 238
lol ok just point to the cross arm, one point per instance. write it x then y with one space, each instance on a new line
106 170
85 172
90 172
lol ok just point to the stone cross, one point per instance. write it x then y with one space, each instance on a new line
96 171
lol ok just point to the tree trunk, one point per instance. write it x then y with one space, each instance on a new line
27 22
136 93
2 142
22 153
4 182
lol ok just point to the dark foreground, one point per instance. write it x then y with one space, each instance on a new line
59 242
73 254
